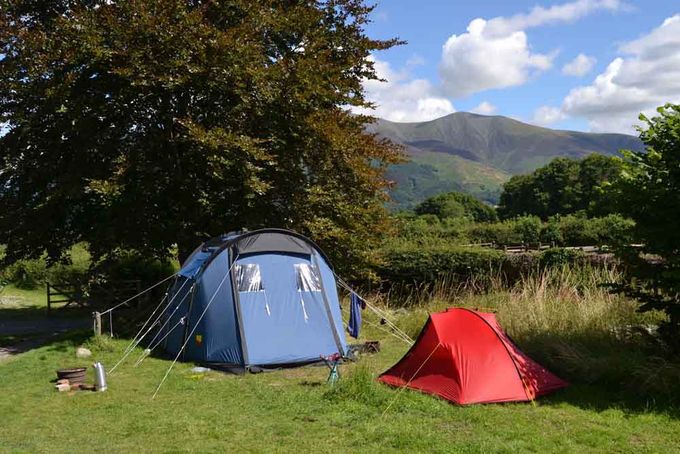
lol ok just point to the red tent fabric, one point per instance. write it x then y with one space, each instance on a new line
465 357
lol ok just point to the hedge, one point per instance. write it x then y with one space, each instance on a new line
418 264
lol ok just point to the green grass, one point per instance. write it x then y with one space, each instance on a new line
12 297
26 304
295 410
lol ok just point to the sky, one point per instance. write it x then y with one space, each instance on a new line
587 65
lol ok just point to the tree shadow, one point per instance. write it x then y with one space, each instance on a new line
608 371
58 341
599 398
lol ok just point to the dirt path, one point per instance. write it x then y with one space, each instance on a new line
39 331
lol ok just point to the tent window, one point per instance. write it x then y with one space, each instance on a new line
308 278
248 278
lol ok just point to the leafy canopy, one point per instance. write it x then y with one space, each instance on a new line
457 205
649 193
562 186
141 124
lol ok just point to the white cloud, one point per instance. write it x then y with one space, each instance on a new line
400 98
547 115
496 53
579 66
566 12
475 61
484 108
645 76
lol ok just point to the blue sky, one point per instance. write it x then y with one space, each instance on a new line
589 65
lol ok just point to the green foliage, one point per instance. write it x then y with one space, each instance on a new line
26 274
132 265
416 264
577 230
457 205
570 230
563 186
648 194
524 229
428 229
140 125
558 257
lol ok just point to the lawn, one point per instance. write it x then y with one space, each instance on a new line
295 410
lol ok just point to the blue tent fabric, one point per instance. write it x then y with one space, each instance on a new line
262 298
355 307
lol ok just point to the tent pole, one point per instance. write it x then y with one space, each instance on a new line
237 308
329 313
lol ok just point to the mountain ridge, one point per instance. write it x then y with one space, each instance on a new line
476 153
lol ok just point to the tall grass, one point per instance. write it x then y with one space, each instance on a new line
566 319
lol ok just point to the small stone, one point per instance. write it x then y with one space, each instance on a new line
63 387
82 352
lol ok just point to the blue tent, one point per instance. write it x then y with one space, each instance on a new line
265 298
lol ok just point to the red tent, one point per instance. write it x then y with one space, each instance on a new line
465 357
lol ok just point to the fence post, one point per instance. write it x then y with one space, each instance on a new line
97 323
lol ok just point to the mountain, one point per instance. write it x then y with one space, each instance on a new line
478 153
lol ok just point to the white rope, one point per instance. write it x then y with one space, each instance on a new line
195 326
134 339
389 332
146 353
391 324
138 294
135 342
173 311
396 396
160 330
382 315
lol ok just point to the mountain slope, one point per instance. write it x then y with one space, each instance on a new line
477 153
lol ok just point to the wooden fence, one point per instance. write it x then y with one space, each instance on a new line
64 295
527 247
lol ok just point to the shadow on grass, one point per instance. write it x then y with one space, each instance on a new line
38 312
626 371
57 342
600 398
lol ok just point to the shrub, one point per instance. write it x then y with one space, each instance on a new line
415 264
457 205
131 265
26 274
557 257
526 229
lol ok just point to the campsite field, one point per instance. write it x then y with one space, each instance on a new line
295 410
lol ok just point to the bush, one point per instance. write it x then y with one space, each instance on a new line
130 265
416 264
26 274
556 257
457 205
526 229
578 230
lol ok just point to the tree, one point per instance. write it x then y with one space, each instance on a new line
457 205
562 186
143 124
649 193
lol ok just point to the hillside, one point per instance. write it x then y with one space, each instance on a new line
477 153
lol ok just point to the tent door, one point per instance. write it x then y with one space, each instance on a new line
282 309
